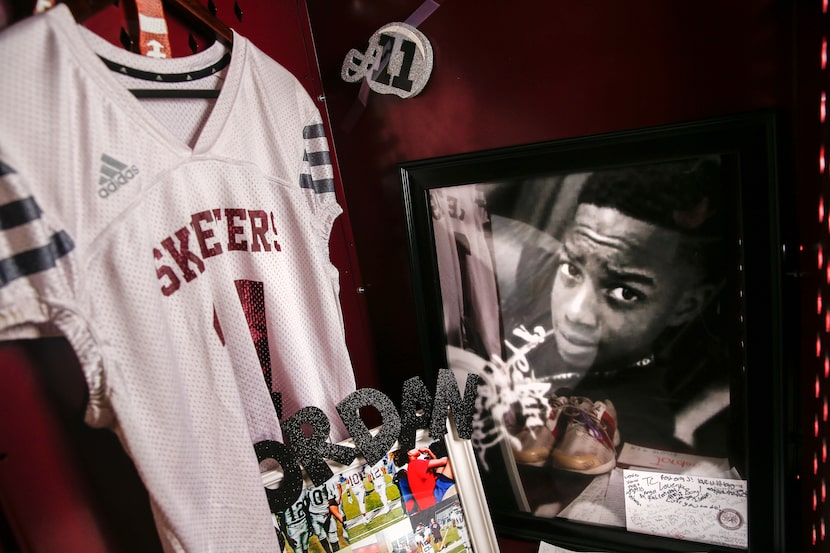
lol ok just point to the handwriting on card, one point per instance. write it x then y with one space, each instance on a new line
709 510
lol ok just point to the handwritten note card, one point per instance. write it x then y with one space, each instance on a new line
708 510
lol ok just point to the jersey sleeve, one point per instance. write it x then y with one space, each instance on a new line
317 175
37 297
33 275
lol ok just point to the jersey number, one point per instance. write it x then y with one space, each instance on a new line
317 497
251 295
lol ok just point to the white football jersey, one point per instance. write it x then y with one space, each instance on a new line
181 245
296 516
319 498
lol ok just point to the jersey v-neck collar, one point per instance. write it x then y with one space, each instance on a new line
88 48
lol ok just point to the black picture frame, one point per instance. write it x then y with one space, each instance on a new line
748 311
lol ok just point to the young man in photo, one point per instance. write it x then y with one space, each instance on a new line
636 264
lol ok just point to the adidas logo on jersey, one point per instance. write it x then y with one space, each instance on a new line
114 174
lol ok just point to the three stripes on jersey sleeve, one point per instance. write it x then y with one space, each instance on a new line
26 245
318 174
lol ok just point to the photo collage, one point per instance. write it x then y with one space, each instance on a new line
407 502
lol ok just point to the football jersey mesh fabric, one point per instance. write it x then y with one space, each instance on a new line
172 253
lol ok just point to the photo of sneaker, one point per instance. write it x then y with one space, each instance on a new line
533 445
590 437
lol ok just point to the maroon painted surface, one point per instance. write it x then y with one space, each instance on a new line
40 436
507 545
63 485
511 73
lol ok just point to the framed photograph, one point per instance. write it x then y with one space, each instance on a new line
620 298
425 500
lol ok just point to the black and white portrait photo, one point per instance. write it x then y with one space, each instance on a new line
590 304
